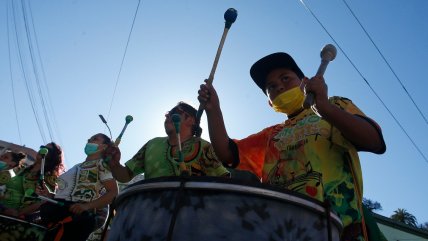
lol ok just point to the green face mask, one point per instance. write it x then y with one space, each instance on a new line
289 102
91 148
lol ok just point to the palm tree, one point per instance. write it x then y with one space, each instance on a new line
401 215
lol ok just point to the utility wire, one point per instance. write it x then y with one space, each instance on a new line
27 83
387 62
10 73
46 86
123 59
368 84
35 70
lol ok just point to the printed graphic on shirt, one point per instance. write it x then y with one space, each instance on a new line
293 170
296 176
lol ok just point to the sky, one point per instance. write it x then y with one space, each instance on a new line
69 57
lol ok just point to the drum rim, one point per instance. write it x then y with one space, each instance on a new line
23 221
303 201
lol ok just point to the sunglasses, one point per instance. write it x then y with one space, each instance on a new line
178 111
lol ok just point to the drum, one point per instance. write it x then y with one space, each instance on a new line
18 230
202 208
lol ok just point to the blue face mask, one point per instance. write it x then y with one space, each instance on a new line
91 148
3 166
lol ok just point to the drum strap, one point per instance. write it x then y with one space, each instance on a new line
360 197
61 223
178 204
107 223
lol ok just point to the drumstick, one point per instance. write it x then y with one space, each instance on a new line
31 193
43 151
128 120
328 53
176 119
230 17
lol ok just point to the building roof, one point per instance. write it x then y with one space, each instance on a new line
400 226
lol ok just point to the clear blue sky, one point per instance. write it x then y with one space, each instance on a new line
171 51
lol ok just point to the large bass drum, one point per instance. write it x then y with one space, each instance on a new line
214 208
19 230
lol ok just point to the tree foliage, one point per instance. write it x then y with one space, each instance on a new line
424 226
401 215
371 205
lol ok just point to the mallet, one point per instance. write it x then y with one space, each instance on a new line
230 17
176 119
328 53
128 120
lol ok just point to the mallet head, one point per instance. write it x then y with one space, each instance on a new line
329 52
230 16
128 119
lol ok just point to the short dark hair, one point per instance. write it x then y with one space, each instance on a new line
196 129
106 139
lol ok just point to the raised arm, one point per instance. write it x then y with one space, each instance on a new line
119 172
360 131
217 130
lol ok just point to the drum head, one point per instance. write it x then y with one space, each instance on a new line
195 208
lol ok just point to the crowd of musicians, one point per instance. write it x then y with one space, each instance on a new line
313 152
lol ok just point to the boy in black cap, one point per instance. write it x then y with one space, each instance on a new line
314 151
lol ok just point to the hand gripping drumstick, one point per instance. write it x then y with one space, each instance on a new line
328 53
230 17
128 120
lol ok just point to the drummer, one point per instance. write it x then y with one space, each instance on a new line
8 161
15 200
159 156
85 189
314 151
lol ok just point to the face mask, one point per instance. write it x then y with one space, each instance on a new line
3 166
289 102
91 148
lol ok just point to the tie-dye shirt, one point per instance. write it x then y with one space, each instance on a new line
83 182
157 158
308 155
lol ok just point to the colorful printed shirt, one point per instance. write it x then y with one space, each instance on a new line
157 158
308 155
5 176
15 194
83 182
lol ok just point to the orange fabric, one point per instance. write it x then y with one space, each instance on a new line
61 229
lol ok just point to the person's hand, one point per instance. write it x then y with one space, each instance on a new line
43 191
79 208
208 97
318 87
113 152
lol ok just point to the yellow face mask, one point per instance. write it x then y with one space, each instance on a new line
289 102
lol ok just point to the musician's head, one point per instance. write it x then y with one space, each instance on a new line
96 145
187 115
11 159
54 159
280 78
